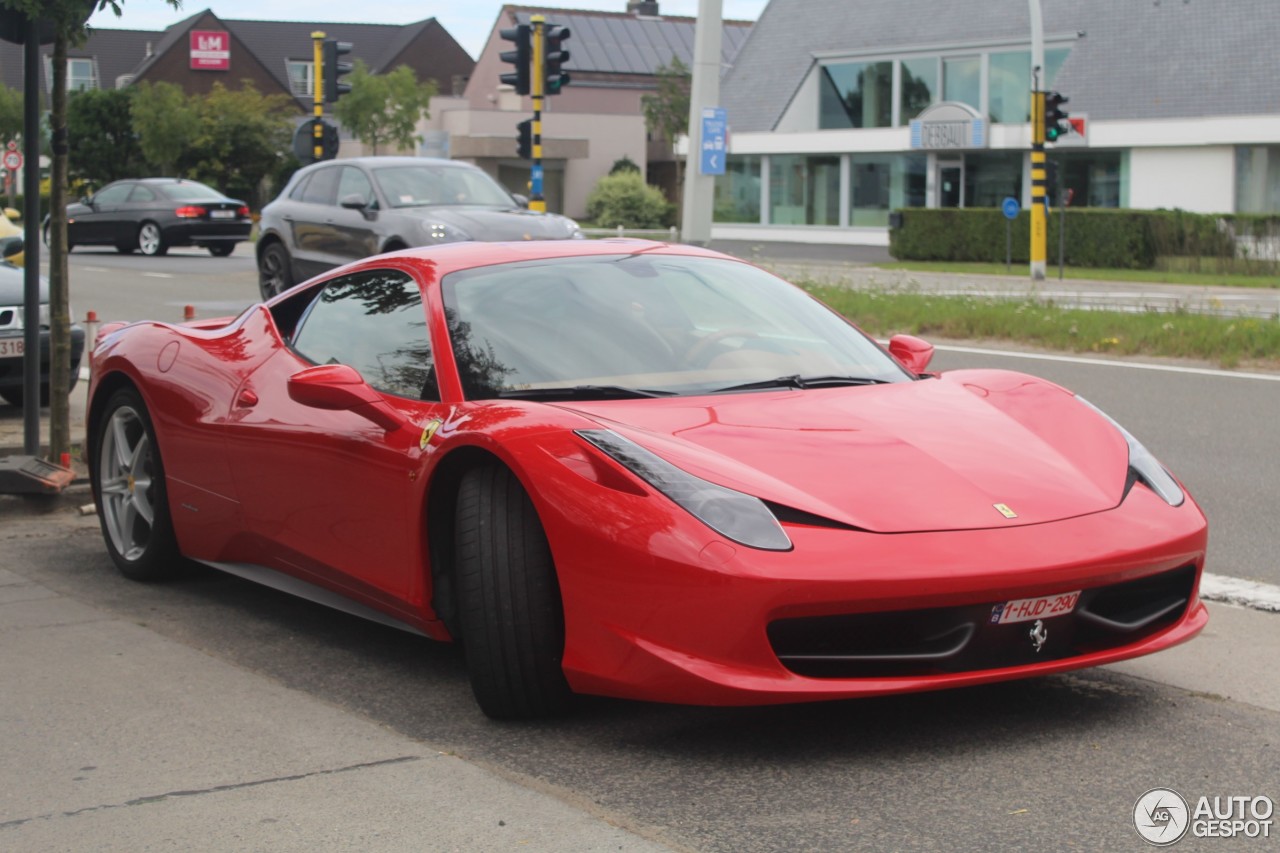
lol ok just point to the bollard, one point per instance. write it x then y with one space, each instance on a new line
188 313
91 335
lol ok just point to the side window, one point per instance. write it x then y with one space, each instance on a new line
142 193
375 322
114 194
300 191
322 187
355 182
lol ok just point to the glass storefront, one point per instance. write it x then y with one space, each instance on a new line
884 182
991 177
804 189
1258 179
738 190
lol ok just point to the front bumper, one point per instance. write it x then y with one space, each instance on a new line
659 608
11 368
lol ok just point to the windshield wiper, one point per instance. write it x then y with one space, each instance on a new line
581 392
795 380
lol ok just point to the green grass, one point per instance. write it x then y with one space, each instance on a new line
1229 342
1172 275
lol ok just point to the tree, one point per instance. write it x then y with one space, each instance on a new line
243 135
666 111
384 108
10 114
100 131
68 19
165 121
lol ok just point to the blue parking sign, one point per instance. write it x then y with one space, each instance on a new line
714 140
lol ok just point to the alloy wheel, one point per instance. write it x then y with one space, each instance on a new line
127 486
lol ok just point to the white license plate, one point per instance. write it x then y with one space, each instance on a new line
1026 609
11 347
222 214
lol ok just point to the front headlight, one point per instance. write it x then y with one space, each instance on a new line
440 232
1145 466
734 515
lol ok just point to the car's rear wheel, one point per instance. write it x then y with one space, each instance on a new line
221 250
274 274
509 608
128 481
151 239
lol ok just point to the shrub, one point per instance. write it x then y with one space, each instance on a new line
625 199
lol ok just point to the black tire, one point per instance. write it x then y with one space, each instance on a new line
45 233
275 275
509 607
128 484
221 250
151 240
15 396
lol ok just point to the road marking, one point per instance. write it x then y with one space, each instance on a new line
1168 368
1254 594
157 275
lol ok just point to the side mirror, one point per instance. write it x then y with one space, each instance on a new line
914 353
522 200
354 201
340 388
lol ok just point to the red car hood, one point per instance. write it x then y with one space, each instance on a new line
937 454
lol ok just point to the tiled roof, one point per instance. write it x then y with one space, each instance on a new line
624 43
1131 59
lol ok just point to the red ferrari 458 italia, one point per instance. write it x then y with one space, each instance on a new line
639 470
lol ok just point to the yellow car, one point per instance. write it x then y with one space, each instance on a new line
11 246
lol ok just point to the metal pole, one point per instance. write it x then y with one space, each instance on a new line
537 85
317 95
1062 219
699 189
31 240
1039 224
1008 244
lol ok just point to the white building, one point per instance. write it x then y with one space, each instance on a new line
843 110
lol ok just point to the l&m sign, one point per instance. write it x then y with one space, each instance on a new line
210 50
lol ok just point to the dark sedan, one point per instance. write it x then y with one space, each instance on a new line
338 211
152 214
12 349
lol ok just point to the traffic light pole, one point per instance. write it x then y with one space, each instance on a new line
317 101
538 83
1039 216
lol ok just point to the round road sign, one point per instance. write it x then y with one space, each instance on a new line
13 160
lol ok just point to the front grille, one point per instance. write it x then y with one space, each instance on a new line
962 639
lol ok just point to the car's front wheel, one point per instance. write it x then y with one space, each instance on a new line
151 239
509 607
274 274
128 482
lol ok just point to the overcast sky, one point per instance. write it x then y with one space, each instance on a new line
468 21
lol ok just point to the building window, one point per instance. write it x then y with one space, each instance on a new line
1091 178
962 80
1009 82
885 182
918 86
81 74
738 190
804 189
991 177
1258 179
856 94
302 78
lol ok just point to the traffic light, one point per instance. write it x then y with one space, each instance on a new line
554 37
520 58
1056 124
524 142
335 68
304 141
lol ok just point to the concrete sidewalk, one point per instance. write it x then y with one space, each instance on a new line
117 739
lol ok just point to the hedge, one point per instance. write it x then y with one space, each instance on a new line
1105 238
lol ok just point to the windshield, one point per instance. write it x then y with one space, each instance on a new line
652 324
415 186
